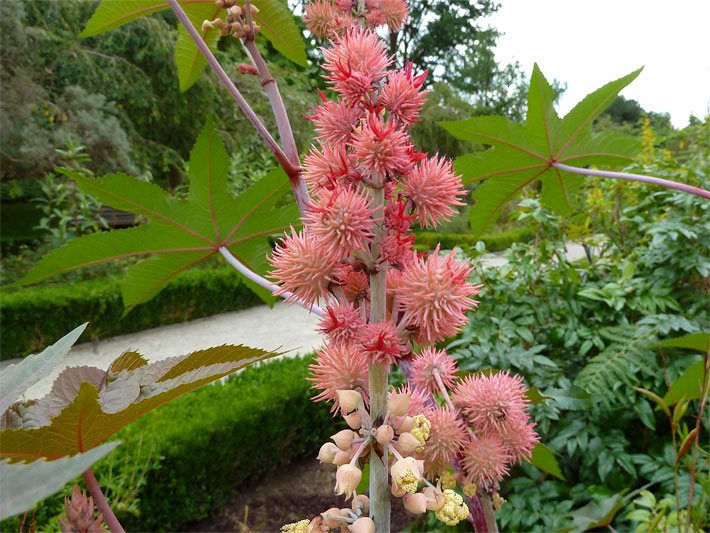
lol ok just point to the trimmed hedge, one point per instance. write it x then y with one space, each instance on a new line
33 317
207 444
427 240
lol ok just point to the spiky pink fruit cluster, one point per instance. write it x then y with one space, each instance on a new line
363 145
326 19
495 406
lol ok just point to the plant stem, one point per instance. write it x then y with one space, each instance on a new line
95 490
489 513
263 282
283 123
442 389
476 515
283 160
379 486
698 426
697 191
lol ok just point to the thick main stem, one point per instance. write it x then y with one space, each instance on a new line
379 485
489 513
95 490
697 191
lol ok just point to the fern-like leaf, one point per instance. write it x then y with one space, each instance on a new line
630 350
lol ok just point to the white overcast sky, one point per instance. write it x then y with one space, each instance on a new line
587 43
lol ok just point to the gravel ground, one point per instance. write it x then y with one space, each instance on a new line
285 327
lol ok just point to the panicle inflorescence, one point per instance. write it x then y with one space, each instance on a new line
362 153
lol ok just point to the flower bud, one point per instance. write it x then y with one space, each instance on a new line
342 458
361 504
347 478
254 9
229 3
220 4
407 443
235 11
327 453
207 26
407 473
407 425
344 439
415 503
331 517
434 498
363 525
354 420
398 404
384 434
348 399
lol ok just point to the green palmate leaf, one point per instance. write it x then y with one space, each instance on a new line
688 385
521 154
24 484
274 19
544 459
179 233
16 379
87 405
699 342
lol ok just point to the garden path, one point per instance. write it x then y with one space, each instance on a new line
285 327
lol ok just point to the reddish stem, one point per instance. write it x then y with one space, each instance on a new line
669 184
283 160
95 490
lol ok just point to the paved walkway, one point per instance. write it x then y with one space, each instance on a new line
285 327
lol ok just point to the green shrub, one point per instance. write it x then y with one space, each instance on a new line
427 240
187 458
32 317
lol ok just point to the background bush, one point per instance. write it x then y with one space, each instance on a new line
33 317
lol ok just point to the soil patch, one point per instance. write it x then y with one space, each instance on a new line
298 491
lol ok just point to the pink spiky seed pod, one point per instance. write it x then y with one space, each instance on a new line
446 437
375 18
395 12
356 61
434 189
381 148
436 296
354 282
341 324
494 403
520 438
485 461
397 249
346 6
339 367
425 363
397 216
302 267
319 18
341 221
328 168
79 514
381 343
335 122
402 95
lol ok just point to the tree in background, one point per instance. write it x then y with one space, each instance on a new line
448 39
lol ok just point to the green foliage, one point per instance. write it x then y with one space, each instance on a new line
620 364
276 23
523 154
546 317
32 317
246 425
179 233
